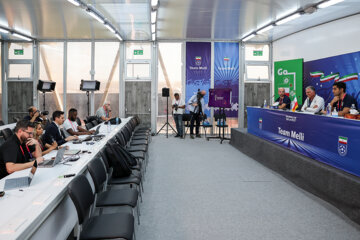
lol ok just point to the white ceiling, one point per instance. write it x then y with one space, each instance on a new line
177 19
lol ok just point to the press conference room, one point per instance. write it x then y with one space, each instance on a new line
193 119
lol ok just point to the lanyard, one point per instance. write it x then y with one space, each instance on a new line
342 103
72 125
281 101
22 150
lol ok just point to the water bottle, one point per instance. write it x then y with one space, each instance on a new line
117 121
328 110
265 104
108 127
335 113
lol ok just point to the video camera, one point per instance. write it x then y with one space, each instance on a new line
44 113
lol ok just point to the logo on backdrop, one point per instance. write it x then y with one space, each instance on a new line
226 60
290 118
260 123
198 61
333 77
342 146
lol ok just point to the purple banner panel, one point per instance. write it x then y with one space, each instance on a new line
220 98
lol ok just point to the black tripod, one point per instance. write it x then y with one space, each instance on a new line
167 124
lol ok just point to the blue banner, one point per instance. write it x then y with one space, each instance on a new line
334 141
226 72
322 74
198 70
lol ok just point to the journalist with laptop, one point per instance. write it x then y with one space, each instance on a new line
20 150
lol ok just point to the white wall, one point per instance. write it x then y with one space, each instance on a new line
330 39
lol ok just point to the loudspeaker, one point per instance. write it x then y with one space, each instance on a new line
165 92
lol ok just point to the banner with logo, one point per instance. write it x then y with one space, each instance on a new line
323 73
289 75
226 72
198 70
334 141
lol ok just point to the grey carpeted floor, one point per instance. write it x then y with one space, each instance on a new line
197 189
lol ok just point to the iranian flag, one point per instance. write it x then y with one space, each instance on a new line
329 77
295 104
198 58
343 140
226 59
349 77
260 120
316 74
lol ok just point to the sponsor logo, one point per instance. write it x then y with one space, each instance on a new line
342 146
290 118
293 134
198 61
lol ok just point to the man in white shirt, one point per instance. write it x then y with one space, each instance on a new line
71 126
313 102
104 112
196 107
178 106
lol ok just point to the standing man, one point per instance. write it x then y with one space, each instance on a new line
72 127
196 104
53 131
342 101
283 100
104 112
178 106
20 150
313 102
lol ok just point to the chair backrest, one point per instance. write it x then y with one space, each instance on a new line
81 194
89 125
105 160
119 136
2 123
78 121
6 133
94 122
98 173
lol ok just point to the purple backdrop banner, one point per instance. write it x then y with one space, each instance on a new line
198 70
220 98
226 72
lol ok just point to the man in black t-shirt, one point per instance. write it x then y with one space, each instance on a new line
20 150
283 100
342 101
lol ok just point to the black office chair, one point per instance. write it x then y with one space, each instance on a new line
105 226
6 133
2 123
111 198
206 126
94 122
222 118
89 125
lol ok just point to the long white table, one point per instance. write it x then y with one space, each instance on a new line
44 210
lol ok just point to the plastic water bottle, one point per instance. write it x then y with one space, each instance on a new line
328 110
265 104
335 113
108 127
117 121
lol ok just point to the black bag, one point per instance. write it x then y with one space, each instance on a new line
129 158
114 121
119 165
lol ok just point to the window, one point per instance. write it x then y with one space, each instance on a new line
257 72
51 69
138 57
78 67
20 51
20 71
138 70
171 56
107 57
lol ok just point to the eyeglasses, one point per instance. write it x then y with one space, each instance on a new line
30 133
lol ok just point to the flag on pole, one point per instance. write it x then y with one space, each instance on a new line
295 104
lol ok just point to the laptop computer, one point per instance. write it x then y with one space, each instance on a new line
52 162
96 133
14 183
72 152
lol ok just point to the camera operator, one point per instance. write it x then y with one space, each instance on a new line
35 115
178 106
196 104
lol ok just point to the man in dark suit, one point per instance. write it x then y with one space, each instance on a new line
53 132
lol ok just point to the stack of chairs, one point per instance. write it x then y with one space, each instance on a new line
107 206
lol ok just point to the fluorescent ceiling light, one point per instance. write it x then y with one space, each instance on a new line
153 16
76 3
265 29
118 36
154 3
288 19
248 37
153 28
21 36
329 3
4 30
153 36
94 15
110 28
